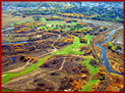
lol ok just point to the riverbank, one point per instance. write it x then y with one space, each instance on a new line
103 52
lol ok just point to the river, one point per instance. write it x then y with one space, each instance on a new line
103 52
6 29
13 59
20 42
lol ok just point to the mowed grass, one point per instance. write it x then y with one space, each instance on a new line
75 47
20 22
42 19
71 49
87 87
6 90
93 70
89 38
52 22
55 22
8 76
75 23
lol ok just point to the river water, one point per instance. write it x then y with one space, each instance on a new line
20 42
13 59
103 52
122 61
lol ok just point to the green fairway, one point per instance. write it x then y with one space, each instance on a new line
75 23
23 22
7 76
6 90
12 24
42 19
20 22
71 49
75 47
92 69
87 87
89 38
56 22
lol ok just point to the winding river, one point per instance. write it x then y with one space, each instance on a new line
103 52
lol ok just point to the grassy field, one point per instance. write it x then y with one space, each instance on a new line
20 22
43 20
8 19
56 22
7 76
89 38
87 87
92 69
10 39
52 22
75 23
71 49
75 47
6 90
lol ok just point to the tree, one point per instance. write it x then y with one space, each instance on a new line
113 48
117 18
101 28
22 57
69 40
110 45
119 47
84 29
36 18
77 85
14 13
83 40
102 78
23 15
40 28
90 29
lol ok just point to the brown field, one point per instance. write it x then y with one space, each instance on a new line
8 18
